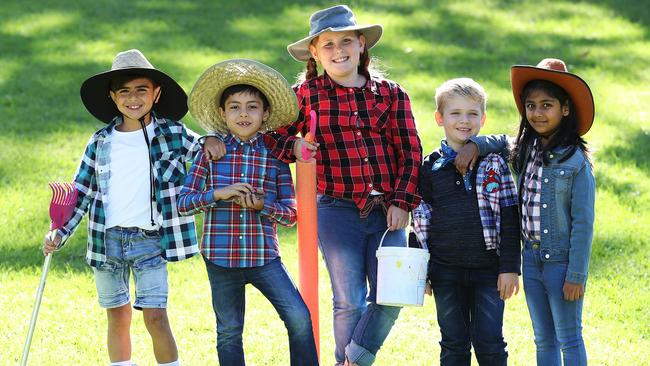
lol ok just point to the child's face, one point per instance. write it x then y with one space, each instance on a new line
244 114
461 118
544 112
338 52
135 98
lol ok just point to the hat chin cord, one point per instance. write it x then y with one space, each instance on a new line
151 181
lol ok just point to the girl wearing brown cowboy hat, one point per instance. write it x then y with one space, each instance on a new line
556 194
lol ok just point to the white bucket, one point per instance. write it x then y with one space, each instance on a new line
401 275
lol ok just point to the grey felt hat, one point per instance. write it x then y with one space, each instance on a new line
95 96
335 19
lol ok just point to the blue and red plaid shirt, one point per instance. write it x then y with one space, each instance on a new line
367 136
234 236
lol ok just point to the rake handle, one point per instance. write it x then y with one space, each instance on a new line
37 305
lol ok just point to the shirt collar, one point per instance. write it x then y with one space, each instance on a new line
330 84
234 140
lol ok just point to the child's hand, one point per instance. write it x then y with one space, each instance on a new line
311 146
507 283
213 148
253 200
49 245
232 191
396 218
466 158
428 289
573 291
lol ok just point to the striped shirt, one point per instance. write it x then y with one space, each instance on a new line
531 196
234 236
367 136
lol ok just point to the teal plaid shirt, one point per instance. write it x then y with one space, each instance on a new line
172 146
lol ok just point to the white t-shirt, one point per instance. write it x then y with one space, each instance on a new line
129 194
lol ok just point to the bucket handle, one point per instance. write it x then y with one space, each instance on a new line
381 242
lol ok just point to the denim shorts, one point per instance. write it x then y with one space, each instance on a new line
137 250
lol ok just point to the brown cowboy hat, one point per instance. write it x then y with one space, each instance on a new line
172 103
555 71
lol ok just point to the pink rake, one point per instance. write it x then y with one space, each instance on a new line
64 199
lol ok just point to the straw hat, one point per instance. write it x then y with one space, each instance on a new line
206 93
172 103
335 19
555 71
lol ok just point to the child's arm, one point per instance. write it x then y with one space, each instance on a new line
509 244
192 199
86 184
583 195
480 146
283 208
282 142
408 149
212 145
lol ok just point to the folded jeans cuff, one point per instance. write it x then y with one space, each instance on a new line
359 355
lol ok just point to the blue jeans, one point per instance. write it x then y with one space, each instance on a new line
557 323
470 312
138 250
349 244
228 302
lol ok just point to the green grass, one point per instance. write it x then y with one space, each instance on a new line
47 48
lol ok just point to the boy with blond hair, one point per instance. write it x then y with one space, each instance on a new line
470 225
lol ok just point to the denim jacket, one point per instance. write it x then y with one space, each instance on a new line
567 206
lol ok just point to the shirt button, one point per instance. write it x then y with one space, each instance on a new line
242 174
370 185
544 205
545 180
365 159
241 215
457 182
358 133
545 231
561 172
551 156
547 256
241 237
356 113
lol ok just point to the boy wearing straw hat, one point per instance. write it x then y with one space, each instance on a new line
244 196
470 224
128 179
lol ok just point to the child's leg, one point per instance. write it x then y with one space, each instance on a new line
452 308
228 302
118 337
112 282
377 320
274 282
164 345
567 315
548 350
486 314
151 291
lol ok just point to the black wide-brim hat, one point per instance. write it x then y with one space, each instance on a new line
172 103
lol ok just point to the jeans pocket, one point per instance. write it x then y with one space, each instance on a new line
327 201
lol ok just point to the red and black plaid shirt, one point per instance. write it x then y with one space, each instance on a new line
368 140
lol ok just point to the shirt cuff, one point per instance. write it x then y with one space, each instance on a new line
575 277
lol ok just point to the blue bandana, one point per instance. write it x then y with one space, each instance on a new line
447 156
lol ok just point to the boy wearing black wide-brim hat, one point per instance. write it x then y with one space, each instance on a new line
128 180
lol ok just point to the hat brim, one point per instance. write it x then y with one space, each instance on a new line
95 96
206 93
300 50
578 90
